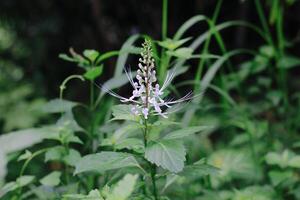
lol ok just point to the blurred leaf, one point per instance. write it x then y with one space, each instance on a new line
93 73
286 159
199 169
123 112
173 44
123 189
183 52
58 106
125 50
169 154
278 177
19 183
233 164
131 144
52 179
91 54
178 134
93 195
104 161
25 155
55 153
287 62
18 140
72 157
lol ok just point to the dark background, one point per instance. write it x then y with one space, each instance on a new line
49 27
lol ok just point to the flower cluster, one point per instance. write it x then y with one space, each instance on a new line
147 95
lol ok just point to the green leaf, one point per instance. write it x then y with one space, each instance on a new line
93 195
52 179
25 155
91 54
123 112
93 73
183 52
18 140
107 55
104 161
66 57
173 44
169 154
19 183
199 169
58 106
286 159
287 62
72 157
55 153
278 177
134 144
123 188
185 132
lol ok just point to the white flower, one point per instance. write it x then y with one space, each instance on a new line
147 95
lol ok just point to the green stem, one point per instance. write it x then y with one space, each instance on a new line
153 173
164 57
62 87
164 19
206 45
25 166
152 166
92 95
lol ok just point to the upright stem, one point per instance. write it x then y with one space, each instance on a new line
164 28
153 167
164 19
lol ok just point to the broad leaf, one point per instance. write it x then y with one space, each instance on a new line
123 188
169 154
20 182
123 112
93 73
58 106
104 161
52 179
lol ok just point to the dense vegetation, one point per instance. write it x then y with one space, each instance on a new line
141 134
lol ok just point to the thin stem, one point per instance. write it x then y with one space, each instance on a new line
164 57
62 87
92 94
153 173
164 19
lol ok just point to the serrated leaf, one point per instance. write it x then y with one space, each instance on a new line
93 73
131 144
104 161
169 154
52 179
185 132
58 106
123 188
